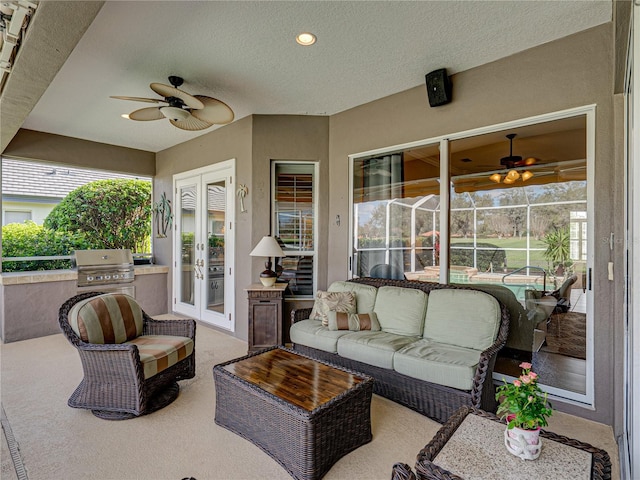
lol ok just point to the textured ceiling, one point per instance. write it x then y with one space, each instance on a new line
244 54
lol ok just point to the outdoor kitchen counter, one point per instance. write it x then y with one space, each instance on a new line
18 278
30 300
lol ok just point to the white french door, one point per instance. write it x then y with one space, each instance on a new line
203 280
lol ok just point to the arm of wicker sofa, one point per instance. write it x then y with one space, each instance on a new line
178 327
483 392
300 314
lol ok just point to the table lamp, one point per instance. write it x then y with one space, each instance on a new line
267 247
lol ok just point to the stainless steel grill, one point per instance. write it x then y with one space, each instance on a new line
105 270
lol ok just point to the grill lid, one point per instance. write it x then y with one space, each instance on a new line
104 257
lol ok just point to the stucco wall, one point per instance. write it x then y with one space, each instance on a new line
571 72
253 142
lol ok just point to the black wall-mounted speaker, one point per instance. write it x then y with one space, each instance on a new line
438 87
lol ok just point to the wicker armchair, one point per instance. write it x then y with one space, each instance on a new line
131 362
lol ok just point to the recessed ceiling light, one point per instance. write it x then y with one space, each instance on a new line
125 115
306 39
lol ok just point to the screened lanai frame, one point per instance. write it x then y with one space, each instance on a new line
442 143
413 249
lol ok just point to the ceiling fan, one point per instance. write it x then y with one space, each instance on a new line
185 111
512 162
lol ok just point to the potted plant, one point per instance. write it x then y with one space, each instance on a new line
526 408
558 250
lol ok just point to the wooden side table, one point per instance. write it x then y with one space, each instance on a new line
471 445
266 307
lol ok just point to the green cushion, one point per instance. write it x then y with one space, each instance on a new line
443 364
401 310
336 301
353 321
373 348
466 318
312 333
159 352
106 319
365 294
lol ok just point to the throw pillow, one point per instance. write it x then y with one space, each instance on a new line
336 301
353 321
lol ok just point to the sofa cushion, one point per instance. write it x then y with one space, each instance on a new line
373 348
466 318
439 363
107 318
353 321
336 301
365 294
312 333
401 310
159 352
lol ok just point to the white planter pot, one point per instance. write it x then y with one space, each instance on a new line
525 444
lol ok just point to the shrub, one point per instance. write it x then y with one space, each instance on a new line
110 213
30 240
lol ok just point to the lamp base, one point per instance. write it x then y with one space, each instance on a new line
268 281
268 277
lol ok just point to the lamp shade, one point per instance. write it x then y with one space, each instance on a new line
267 247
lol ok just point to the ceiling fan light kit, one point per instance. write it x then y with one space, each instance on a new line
183 110
174 113
511 162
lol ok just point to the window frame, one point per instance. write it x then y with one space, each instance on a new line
589 111
313 253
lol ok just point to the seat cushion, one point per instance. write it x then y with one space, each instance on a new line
108 318
374 348
444 364
365 294
159 352
401 310
466 318
312 333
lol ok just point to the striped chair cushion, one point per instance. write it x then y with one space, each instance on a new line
159 352
107 318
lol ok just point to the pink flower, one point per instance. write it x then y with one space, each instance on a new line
533 375
517 383
531 398
526 365
526 379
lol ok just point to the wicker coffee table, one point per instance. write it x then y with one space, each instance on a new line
471 446
303 413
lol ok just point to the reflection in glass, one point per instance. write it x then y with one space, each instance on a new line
187 247
216 216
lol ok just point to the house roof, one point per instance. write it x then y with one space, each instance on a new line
27 180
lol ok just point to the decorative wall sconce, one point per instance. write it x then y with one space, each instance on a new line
162 215
242 192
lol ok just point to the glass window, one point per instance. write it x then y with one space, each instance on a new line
12 216
294 224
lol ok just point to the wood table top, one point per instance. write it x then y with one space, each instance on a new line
298 380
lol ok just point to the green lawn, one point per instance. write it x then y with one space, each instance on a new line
515 258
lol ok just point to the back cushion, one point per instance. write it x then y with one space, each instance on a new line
401 310
107 318
466 318
365 294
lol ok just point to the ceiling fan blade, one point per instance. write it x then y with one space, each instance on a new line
145 114
168 91
191 123
214 111
139 99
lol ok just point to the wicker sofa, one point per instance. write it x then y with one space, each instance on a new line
434 353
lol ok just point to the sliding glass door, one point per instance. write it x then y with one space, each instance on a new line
513 211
